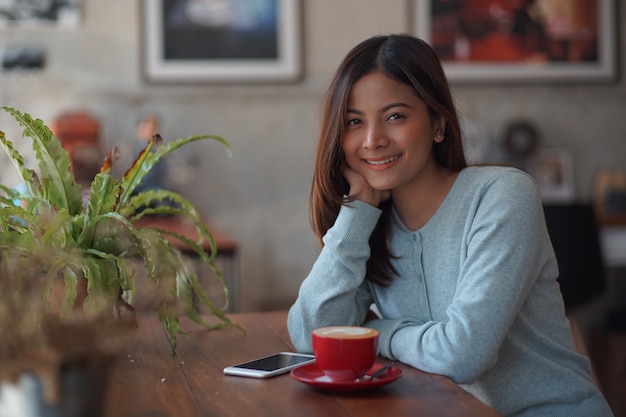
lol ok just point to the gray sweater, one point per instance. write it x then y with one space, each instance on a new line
475 299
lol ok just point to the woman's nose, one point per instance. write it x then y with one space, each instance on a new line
375 138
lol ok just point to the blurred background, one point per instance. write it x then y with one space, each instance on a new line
91 59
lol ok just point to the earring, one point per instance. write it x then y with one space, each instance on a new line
438 137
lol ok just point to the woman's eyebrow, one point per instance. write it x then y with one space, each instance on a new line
392 105
384 109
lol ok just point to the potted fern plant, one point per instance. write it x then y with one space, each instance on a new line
81 256
52 362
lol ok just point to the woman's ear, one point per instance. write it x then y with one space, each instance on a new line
440 129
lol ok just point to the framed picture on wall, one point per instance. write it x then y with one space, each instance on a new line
192 41
40 14
553 170
522 40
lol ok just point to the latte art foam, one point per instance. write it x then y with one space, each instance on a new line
346 332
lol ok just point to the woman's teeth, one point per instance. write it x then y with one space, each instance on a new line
383 161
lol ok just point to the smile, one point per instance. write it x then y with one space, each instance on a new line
382 161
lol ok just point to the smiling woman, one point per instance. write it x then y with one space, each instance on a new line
389 142
457 260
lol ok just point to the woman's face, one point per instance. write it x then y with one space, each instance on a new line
389 135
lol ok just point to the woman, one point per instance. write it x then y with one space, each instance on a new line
456 259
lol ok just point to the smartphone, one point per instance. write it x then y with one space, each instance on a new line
269 366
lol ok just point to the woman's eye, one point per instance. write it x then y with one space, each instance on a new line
353 122
395 116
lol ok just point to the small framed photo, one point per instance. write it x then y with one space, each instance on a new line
220 41
553 169
54 14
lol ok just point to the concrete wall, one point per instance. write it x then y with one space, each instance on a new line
260 196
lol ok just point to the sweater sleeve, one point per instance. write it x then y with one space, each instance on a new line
507 247
334 292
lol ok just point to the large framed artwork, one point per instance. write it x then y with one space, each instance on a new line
221 40
521 40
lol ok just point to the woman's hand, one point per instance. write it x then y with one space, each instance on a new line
362 191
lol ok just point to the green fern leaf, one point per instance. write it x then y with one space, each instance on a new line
28 175
147 159
109 233
102 195
177 205
58 183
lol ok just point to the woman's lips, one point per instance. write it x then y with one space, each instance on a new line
381 162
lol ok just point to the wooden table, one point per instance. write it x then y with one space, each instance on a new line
150 381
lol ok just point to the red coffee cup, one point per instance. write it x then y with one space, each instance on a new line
345 353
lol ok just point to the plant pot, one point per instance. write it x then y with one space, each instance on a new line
81 393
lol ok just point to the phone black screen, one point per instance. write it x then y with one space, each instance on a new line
273 362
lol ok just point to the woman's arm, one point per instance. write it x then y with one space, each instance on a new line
334 292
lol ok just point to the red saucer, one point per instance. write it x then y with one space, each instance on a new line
312 375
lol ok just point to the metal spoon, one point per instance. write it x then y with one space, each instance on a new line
377 373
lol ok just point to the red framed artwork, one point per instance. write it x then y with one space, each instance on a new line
521 40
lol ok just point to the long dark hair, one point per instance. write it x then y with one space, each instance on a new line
408 60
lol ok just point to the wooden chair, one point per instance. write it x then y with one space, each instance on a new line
79 133
575 237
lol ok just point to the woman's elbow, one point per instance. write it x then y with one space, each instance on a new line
302 346
300 339
466 371
463 377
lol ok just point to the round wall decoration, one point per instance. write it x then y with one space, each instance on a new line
521 138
